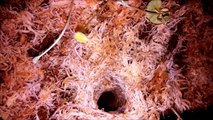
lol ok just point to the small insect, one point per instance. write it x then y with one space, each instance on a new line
80 37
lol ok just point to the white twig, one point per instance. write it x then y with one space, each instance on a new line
179 118
35 60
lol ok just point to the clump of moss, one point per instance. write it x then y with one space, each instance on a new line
123 46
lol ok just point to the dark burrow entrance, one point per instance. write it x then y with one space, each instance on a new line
112 100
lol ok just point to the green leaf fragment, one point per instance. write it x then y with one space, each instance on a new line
156 14
154 5
153 17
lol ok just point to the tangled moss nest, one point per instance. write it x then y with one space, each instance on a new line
146 69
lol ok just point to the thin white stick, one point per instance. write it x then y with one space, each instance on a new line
179 118
35 60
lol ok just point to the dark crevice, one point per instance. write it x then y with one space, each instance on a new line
45 3
46 43
207 6
199 114
1 78
144 32
179 59
32 52
43 113
16 5
210 23
172 43
182 2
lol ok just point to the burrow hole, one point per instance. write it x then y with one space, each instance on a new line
112 100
